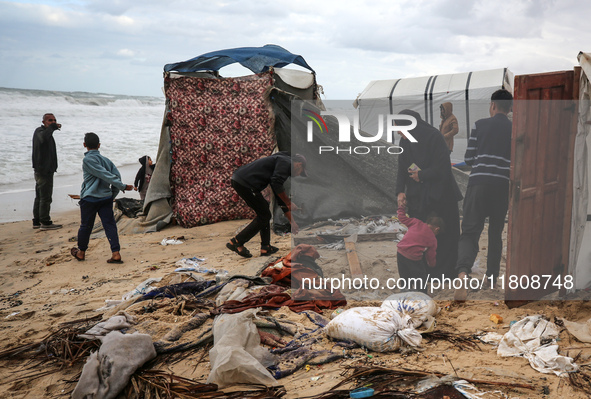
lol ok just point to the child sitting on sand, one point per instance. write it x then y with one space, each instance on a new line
417 250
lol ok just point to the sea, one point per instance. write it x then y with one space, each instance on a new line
128 127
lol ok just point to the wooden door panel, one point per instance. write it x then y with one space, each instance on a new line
543 131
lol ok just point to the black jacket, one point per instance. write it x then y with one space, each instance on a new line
431 154
141 174
44 152
273 170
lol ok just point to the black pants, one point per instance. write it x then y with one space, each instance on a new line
483 201
88 212
447 242
411 271
43 193
262 222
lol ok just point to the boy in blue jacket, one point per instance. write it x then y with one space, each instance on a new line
101 184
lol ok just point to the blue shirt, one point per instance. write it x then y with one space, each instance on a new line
101 177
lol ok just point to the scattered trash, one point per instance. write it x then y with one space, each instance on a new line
491 338
194 265
361 393
12 314
495 318
171 241
581 331
316 378
534 338
336 312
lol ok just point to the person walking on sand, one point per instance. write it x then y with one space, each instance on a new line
143 177
45 165
101 184
487 195
248 181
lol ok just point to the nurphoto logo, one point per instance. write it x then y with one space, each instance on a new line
344 136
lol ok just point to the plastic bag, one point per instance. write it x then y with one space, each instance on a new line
379 329
419 306
237 355
524 338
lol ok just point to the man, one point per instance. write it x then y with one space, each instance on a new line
449 124
45 165
489 154
101 184
426 185
248 181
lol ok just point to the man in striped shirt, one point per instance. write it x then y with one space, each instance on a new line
489 154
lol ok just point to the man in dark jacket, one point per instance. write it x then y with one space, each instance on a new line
489 154
45 165
249 180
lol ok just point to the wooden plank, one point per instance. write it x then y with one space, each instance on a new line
354 265
318 239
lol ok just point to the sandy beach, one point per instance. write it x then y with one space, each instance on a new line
42 286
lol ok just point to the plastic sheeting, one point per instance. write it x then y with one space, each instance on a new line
580 242
257 59
527 338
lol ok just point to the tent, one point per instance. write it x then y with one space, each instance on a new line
213 125
469 93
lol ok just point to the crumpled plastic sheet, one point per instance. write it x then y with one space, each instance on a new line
581 331
107 372
525 338
237 355
118 322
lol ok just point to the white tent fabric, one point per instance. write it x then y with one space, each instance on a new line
580 243
469 93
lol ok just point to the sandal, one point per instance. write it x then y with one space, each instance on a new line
74 253
114 260
270 250
233 246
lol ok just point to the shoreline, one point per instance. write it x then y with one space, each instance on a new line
17 202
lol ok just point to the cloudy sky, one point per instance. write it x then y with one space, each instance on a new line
121 46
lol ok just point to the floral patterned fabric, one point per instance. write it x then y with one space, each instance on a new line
216 125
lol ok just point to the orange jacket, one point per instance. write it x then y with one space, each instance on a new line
449 124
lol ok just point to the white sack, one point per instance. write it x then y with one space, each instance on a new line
419 306
378 329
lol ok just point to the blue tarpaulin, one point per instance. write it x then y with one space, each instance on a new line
257 59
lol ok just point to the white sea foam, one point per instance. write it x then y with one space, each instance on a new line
129 128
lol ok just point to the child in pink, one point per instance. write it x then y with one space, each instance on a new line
417 250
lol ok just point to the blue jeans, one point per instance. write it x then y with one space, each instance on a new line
88 212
